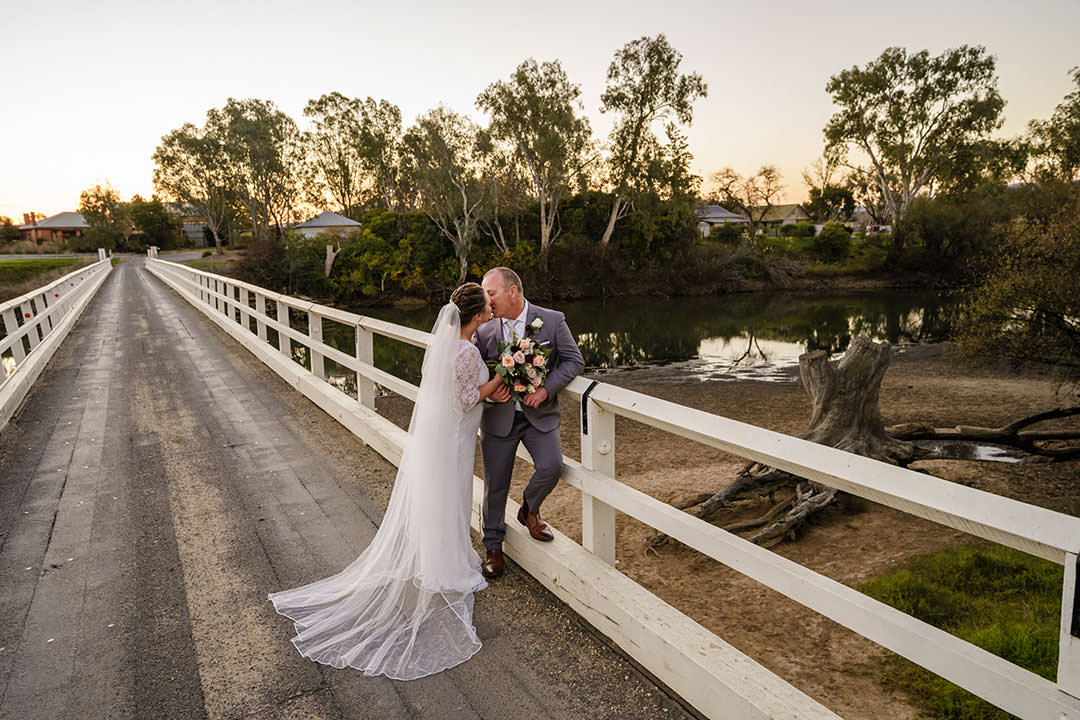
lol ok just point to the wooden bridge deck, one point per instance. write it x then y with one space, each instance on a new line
159 482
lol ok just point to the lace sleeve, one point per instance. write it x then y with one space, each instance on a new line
466 382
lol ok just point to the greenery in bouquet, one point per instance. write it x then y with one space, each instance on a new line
522 362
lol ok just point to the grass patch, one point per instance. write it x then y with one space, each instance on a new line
19 276
866 256
19 269
997 598
211 262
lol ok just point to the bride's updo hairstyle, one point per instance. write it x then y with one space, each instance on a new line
470 300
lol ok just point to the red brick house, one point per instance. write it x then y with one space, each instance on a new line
61 228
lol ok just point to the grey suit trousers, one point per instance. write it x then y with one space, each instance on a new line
498 457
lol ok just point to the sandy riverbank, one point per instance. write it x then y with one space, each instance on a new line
850 545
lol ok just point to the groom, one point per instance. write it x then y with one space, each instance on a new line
534 421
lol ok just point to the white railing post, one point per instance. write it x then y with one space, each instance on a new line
260 315
28 319
365 353
598 454
283 321
223 289
1068 677
245 307
11 326
314 329
42 301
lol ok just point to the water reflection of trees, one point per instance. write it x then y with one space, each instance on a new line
636 331
640 331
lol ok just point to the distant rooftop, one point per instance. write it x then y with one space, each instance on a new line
328 219
718 213
60 220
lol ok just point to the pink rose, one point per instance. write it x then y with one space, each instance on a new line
524 343
519 357
519 387
507 360
539 360
531 373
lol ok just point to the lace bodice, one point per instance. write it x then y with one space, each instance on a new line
469 373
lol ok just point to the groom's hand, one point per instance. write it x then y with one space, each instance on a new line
534 399
501 394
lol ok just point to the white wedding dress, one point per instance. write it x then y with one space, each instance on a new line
404 607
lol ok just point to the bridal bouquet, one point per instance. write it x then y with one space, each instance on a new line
522 362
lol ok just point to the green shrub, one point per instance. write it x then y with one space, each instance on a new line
207 253
797 230
833 242
727 233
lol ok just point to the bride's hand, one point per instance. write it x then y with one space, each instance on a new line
501 394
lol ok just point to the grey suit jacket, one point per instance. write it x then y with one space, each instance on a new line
564 364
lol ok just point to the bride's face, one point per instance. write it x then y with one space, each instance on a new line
486 315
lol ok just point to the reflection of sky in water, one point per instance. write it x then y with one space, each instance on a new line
746 356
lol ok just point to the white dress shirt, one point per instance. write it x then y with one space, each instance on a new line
515 326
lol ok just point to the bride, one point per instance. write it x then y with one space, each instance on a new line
404 607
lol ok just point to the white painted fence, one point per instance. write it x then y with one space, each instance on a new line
707 672
36 323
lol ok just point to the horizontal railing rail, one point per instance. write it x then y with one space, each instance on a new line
33 325
1038 531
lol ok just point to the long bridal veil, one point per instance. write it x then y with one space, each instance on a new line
404 607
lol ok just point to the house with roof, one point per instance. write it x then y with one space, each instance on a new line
326 223
711 215
60 228
770 218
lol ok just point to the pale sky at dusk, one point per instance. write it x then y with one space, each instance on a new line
90 88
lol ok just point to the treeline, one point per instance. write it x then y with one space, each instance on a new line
441 200
402 253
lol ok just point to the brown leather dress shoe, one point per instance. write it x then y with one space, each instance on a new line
494 565
537 527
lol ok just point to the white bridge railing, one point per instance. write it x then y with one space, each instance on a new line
707 672
34 325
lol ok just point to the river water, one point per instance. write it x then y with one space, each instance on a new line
730 337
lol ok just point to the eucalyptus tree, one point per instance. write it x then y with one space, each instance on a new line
537 112
440 154
508 188
1055 143
353 149
107 217
380 144
191 169
263 159
910 113
674 180
333 150
644 87
750 196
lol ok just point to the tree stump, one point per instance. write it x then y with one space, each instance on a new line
846 416
845 394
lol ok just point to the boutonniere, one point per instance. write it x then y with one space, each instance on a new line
535 325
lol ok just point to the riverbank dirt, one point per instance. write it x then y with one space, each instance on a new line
850 544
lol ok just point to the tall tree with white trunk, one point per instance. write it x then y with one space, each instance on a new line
538 111
910 114
644 88
440 154
190 169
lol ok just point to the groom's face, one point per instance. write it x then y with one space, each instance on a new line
505 300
